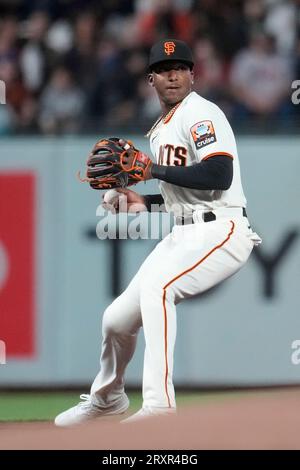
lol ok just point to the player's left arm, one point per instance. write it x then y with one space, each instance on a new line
213 174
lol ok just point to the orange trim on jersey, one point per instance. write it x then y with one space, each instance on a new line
171 113
165 309
216 154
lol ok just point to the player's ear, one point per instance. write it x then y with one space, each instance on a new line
150 79
192 77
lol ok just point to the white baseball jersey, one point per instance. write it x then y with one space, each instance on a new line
196 131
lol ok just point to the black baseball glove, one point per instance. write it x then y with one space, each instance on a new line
116 163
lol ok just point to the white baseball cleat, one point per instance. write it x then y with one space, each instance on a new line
90 408
149 412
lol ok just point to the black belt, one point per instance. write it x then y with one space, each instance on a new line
207 217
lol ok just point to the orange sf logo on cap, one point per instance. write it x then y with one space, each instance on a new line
169 47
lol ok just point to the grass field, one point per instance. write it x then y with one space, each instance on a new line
43 406
245 419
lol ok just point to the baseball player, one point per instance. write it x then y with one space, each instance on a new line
197 165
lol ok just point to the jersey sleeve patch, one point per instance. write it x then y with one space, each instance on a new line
203 134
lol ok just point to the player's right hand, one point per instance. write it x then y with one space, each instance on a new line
123 200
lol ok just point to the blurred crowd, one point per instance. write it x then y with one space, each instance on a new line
80 66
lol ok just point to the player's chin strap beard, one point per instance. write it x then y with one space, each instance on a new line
163 118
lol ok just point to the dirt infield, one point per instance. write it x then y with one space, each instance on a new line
263 421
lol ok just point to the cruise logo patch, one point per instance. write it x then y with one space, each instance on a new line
203 134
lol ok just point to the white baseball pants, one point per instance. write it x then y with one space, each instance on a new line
188 261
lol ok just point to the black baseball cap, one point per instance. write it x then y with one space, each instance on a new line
170 49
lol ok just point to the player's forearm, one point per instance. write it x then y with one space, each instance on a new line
154 203
213 174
